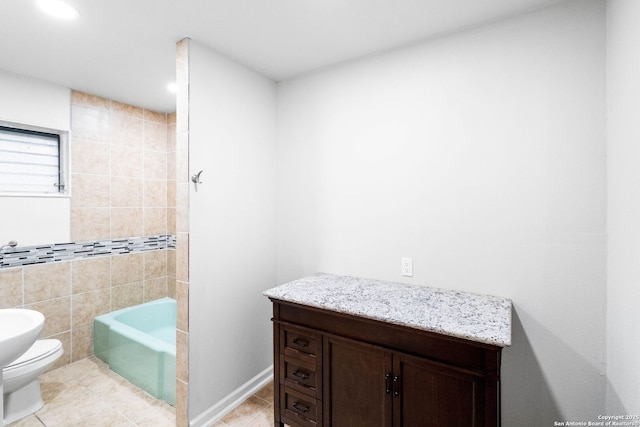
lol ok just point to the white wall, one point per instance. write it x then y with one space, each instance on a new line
623 213
34 220
232 226
481 156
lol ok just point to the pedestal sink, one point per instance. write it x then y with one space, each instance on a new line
19 329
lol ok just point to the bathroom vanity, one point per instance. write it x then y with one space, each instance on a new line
367 353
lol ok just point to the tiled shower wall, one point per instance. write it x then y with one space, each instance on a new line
121 159
119 163
182 233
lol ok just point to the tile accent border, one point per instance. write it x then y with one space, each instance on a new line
55 252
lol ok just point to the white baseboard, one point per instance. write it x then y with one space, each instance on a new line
229 403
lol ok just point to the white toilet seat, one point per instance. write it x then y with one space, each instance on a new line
39 354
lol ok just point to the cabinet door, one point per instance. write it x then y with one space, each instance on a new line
435 394
355 393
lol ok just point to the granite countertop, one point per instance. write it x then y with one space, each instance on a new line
475 317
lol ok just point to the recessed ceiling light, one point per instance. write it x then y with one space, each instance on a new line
172 87
58 8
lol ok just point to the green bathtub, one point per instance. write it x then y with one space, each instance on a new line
139 343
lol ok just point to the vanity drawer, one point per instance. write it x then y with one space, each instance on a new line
300 409
299 343
301 375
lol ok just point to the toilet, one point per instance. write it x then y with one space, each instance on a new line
21 394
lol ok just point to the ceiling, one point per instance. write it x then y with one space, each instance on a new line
124 49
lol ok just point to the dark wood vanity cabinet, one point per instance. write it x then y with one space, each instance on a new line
339 370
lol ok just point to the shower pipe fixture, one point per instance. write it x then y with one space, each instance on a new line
12 244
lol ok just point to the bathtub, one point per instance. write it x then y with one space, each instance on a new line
139 343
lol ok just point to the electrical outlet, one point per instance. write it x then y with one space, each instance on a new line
407 267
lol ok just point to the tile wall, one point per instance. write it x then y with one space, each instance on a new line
121 159
120 168
182 233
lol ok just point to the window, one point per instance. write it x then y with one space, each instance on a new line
32 161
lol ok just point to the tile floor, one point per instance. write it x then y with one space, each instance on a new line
87 393
256 411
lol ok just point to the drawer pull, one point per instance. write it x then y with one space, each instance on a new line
300 407
301 342
387 385
396 385
299 374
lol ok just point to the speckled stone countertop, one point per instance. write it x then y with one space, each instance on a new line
475 317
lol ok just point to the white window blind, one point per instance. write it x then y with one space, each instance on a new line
29 161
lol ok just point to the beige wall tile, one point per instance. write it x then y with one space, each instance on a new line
86 306
57 315
182 391
90 157
47 281
171 262
11 288
182 360
90 123
65 359
182 306
91 190
155 288
126 222
182 158
154 116
182 61
155 136
171 193
127 130
126 109
182 257
171 165
155 221
155 164
155 193
171 220
90 274
171 137
126 269
126 192
126 161
155 264
127 295
182 207
81 342
171 287
88 100
182 106
182 204
90 223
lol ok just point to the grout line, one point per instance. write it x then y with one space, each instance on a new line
41 422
